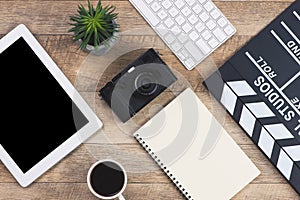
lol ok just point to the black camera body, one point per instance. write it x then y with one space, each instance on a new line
137 85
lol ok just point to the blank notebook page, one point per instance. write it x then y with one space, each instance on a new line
177 137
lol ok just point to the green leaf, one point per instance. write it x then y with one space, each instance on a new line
85 42
78 37
99 5
91 9
96 43
84 11
94 23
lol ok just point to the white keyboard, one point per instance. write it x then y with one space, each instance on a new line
192 29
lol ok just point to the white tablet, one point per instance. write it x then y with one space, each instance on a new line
43 115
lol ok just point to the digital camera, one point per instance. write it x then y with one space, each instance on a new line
137 85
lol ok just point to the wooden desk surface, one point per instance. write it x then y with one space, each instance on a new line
48 20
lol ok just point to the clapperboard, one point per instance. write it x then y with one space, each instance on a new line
260 88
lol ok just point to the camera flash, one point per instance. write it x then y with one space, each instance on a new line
131 69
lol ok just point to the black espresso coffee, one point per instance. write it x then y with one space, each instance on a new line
107 179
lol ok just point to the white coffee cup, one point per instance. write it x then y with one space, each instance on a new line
102 168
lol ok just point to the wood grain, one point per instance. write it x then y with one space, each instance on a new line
46 17
134 191
71 60
49 19
139 165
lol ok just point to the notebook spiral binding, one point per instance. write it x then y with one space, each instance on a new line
163 167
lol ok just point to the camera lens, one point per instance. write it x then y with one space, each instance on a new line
145 84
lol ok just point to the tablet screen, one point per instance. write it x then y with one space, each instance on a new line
37 114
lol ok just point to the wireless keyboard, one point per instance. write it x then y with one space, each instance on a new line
192 29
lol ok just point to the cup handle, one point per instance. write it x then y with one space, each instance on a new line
121 197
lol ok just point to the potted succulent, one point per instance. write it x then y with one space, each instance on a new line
95 29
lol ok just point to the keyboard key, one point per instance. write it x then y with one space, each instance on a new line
211 24
191 28
176 46
229 30
166 4
169 22
148 1
220 35
151 18
180 20
213 43
162 14
206 35
204 17
176 30
180 56
193 19
182 38
222 22
194 51
215 14
186 11
162 29
197 9
185 53
187 28
209 6
203 46
200 27
193 35
189 63
155 7
190 2
170 38
179 3
173 12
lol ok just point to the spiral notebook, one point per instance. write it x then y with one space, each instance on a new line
195 151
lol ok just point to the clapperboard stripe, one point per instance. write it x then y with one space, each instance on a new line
257 131
285 164
266 142
273 138
288 142
279 131
275 153
260 136
294 179
271 121
298 162
267 62
293 152
249 99
296 15
238 110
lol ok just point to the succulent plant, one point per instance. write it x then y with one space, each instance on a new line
94 26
